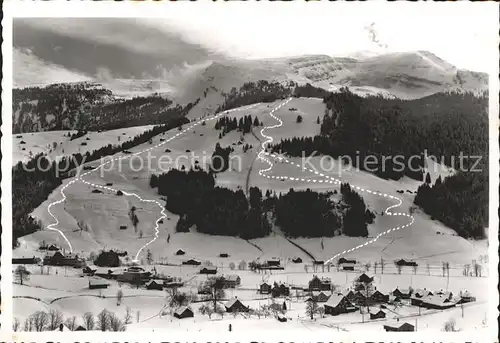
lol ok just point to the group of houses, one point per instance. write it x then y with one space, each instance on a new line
231 306
278 289
58 258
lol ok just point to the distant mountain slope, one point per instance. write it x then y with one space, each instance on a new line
86 106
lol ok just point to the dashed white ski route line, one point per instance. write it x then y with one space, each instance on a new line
327 179
121 157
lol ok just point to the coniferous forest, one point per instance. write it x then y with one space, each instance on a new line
444 125
220 211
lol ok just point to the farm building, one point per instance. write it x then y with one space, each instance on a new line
359 298
296 260
364 279
134 274
318 296
402 262
183 312
231 281
80 328
402 293
192 262
420 293
399 327
280 290
273 262
97 284
154 285
264 288
208 270
320 284
377 314
234 305
180 252
343 260
465 297
378 297
348 267
338 304
56 258
25 260
319 262
436 302
223 254
53 247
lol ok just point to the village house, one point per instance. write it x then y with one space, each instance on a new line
224 255
318 296
465 297
338 304
264 288
399 326
349 294
445 294
376 314
183 312
97 284
25 260
402 293
180 252
192 262
359 299
280 290
273 262
420 293
154 285
80 328
320 284
57 258
134 274
348 267
343 260
403 262
378 297
364 279
208 270
231 281
436 302
296 260
234 305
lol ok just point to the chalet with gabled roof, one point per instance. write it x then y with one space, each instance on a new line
377 314
235 305
399 326
338 304
320 284
183 312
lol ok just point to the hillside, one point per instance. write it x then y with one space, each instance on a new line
89 106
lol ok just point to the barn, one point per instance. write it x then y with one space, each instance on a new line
234 305
183 312
97 284
208 270
376 314
264 288
338 304
154 285
399 327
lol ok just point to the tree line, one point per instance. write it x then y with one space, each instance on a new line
445 125
244 125
220 211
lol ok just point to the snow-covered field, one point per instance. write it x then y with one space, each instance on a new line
56 143
102 214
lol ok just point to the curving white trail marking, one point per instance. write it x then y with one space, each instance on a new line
124 157
328 179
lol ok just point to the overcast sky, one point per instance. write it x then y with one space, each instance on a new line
464 34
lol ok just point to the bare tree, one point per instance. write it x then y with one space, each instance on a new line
71 323
367 267
128 315
428 268
39 321
375 265
137 316
55 319
449 326
382 265
321 312
415 266
149 256
88 321
28 324
242 265
115 323
206 310
22 274
16 324
466 270
119 297
103 320
477 269
232 266
305 268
